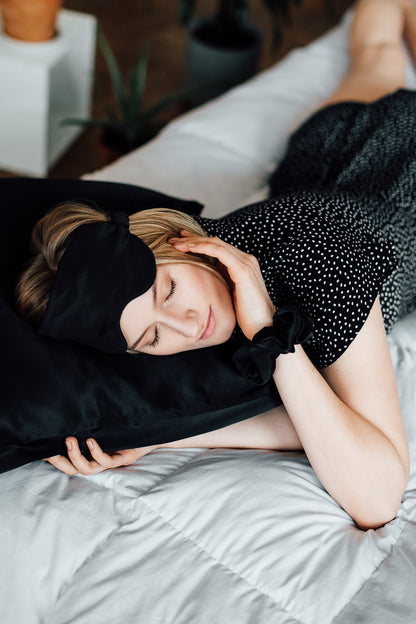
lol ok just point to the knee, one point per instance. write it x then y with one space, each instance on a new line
386 60
377 53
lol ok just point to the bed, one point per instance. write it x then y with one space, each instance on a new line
213 535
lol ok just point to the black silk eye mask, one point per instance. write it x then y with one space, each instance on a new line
103 268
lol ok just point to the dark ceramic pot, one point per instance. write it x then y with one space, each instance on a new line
219 59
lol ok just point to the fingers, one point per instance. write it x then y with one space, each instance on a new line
62 463
237 262
78 460
253 306
113 460
98 454
76 463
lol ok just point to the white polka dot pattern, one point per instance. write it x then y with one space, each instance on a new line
340 228
325 267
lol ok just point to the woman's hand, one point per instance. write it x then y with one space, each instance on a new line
253 306
101 461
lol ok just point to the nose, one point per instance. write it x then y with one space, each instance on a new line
185 322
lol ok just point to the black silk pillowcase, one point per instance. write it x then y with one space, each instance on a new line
51 389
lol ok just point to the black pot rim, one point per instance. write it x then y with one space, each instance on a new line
255 35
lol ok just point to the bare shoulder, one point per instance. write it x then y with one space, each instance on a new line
363 378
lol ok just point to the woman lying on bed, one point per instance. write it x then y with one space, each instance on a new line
335 243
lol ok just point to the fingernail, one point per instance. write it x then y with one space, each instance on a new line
90 444
69 445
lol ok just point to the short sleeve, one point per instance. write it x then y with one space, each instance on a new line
319 252
333 271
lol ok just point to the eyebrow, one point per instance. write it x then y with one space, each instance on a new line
138 341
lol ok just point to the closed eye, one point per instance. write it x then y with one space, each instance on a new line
156 339
172 289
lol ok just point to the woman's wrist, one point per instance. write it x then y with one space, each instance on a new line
290 361
256 359
266 321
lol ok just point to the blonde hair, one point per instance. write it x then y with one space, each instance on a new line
52 235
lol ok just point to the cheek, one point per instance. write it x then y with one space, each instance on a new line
225 309
223 293
207 290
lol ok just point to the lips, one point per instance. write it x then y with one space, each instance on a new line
209 326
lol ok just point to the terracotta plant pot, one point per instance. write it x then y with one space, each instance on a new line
30 20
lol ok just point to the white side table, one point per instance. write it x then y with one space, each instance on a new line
42 84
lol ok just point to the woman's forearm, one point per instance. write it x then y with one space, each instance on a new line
355 461
272 430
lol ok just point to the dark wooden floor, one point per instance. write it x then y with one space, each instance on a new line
128 24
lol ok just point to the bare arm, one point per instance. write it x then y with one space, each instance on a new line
348 417
271 430
349 421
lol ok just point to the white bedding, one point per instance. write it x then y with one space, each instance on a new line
203 536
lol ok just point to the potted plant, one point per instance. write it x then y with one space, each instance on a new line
225 47
30 20
128 124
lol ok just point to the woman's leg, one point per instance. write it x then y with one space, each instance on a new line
377 56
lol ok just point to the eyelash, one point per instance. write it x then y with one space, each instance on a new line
156 339
172 288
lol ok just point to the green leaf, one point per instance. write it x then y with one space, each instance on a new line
137 84
115 73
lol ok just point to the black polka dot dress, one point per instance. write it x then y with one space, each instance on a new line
340 226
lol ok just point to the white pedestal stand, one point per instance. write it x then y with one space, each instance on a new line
42 84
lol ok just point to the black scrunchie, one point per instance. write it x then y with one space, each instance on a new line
256 359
